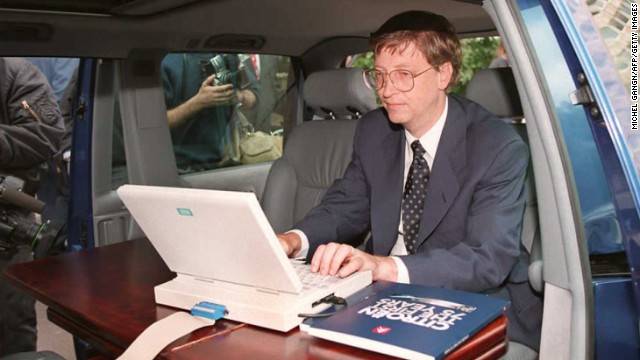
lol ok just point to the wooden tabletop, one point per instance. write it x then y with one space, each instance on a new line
105 297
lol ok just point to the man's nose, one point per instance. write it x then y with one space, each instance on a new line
388 89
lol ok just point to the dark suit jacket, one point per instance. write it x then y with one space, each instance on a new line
470 232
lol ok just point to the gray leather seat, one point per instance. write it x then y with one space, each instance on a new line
496 90
317 151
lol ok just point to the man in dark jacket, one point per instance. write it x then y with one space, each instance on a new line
31 128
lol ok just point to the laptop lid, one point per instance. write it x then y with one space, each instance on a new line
212 235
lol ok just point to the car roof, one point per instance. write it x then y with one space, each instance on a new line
113 28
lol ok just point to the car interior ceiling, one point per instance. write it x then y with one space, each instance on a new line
70 25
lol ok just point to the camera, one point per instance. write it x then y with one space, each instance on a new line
17 229
227 69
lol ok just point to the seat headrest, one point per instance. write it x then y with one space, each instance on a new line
338 93
496 90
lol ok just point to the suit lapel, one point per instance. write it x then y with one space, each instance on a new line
443 185
390 172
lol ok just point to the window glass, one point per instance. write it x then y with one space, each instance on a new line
224 109
478 53
363 61
612 20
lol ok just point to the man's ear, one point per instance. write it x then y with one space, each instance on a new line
445 71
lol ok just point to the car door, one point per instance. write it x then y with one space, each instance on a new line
577 110
605 54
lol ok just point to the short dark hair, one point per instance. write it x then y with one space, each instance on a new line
432 34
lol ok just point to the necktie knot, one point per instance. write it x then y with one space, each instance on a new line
418 150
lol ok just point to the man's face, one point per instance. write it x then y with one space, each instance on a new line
419 108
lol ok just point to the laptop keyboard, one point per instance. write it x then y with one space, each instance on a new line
311 280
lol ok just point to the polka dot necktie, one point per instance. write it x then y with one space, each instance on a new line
415 191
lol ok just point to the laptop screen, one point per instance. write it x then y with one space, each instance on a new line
212 235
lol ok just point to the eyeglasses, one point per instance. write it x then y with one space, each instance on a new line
401 79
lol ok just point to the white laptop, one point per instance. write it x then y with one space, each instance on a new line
224 251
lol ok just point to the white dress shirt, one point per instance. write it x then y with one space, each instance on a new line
429 142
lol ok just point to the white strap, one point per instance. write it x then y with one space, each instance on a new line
163 332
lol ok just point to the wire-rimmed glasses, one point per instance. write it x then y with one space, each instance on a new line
402 80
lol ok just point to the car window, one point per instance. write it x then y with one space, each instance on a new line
224 109
615 28
477 53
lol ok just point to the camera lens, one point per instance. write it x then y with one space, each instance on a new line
43 239
22 231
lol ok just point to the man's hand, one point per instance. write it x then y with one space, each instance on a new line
214 95
291 243
208 96
343 260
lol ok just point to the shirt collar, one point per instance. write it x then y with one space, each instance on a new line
431 138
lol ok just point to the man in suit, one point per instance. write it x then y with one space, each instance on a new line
466 234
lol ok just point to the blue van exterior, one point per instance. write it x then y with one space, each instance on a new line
603 143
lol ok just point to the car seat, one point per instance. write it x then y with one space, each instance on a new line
317 151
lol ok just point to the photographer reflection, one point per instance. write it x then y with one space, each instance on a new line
31 128
202 93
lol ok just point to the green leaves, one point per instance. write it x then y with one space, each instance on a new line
477 53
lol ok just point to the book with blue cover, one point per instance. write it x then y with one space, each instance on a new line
409 321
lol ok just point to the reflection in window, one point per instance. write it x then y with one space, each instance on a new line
224 109
612 18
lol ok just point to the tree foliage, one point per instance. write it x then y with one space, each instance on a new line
364 61
477 54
